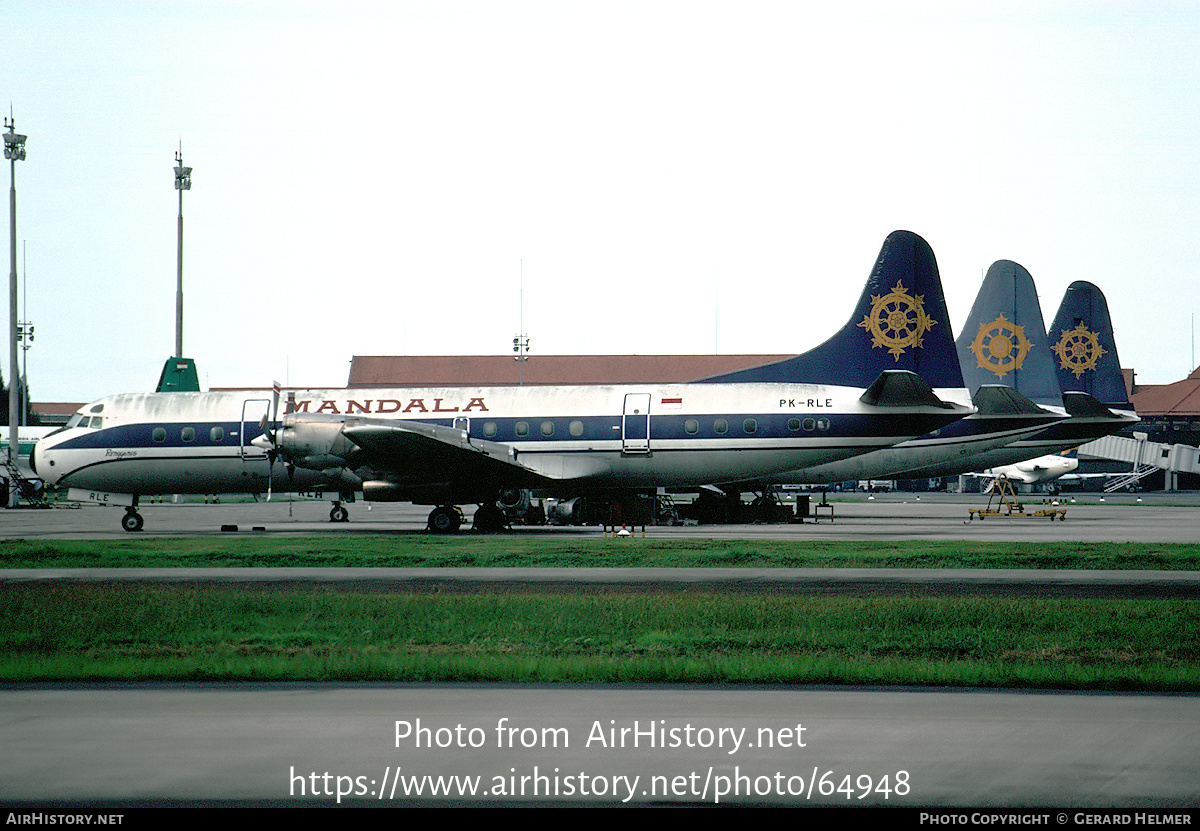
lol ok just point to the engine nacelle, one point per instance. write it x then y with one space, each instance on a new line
314 444
516 500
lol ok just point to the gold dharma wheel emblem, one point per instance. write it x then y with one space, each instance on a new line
1000 346
1079 349
897 320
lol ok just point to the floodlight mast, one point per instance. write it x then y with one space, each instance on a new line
14 151
183 181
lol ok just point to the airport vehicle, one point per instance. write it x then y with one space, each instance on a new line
1003 502
452 446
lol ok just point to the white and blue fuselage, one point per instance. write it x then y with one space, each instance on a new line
606 436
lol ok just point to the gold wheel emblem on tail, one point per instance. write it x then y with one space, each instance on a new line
1000 346
897 320
1079 349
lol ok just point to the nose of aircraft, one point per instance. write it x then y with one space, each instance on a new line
39 465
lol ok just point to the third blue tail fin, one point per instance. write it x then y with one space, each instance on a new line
1081 337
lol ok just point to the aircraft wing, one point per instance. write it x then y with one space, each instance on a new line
440 452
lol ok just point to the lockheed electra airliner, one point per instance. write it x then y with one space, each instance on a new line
889 376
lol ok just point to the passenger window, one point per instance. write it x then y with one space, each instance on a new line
216 434
522 428
547 428
159 434
575 428
822 424
810 424
489 429
793 424
188 434
750 425
721 425
691 426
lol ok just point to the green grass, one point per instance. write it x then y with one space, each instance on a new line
418 550
105 632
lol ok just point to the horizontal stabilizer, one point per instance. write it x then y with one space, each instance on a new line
900 388
1082 405
995 400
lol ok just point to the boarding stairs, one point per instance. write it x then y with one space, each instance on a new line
28 490
1136 475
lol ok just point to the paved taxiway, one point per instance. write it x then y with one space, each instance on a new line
236 743
1156 518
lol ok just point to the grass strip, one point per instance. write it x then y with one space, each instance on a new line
111 632
418 550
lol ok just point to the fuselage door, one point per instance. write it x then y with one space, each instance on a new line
256 415
635 423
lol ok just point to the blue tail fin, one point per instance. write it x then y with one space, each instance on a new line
1081 338
1003 340
901 322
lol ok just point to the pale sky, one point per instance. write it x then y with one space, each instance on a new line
675 177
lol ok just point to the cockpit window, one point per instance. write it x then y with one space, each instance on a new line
74 420
97 408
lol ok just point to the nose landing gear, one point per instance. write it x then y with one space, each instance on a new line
132 521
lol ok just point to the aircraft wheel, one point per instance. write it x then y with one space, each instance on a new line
445 519
489 519
132 521
339 514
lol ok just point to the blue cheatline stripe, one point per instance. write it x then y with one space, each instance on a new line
786 425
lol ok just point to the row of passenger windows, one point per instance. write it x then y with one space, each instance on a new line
750 425
575 428
188 434
691 426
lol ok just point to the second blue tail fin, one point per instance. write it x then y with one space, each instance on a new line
1004 341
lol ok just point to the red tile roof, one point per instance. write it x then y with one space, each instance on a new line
1179 399
503 370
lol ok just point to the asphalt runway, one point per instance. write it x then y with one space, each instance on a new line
116 746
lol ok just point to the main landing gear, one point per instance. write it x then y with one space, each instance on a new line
489 519
338 514
445 519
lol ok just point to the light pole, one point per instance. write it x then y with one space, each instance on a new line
521 341
14 151
183 181
521 347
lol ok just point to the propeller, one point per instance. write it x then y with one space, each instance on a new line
267 440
